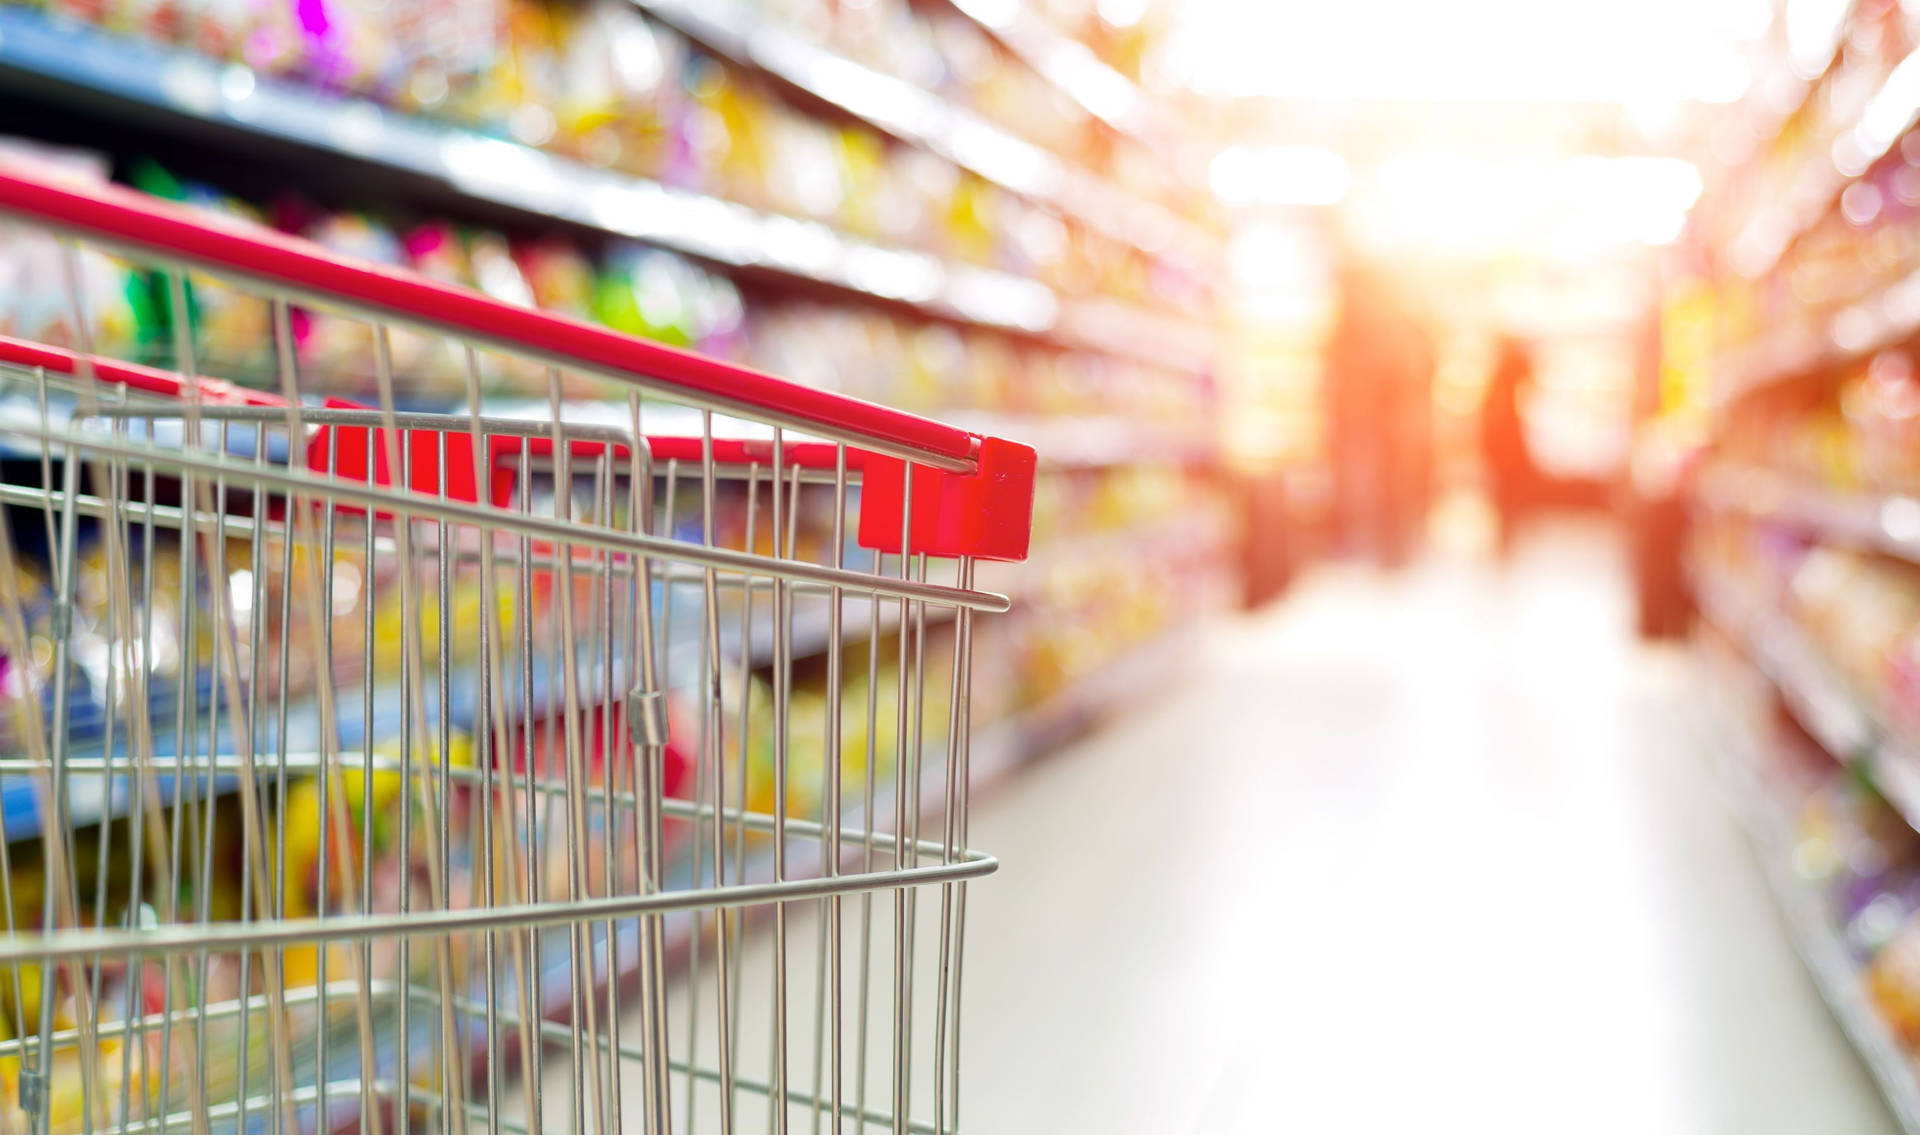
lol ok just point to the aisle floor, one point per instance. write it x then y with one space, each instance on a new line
1433 851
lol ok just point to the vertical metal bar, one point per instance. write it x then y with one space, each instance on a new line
61 877
399 454
730 1053
957 842
285 1119
604 651
497 792
782 690
54 822
830 857
870 821
204 795
318 588
649 746
912 842
584 1004
531 1005
712 758
326 798
452 1070
951 801
903 802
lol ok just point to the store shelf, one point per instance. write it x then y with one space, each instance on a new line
1830 711
1812 146
1888 523
1066 63
1888 114
1124 679
911 114
1839 982
41 55
1886 318
1816 940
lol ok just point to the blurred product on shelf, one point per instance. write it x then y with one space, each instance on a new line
1859 612
603 84
1856 433
1787 408
866 352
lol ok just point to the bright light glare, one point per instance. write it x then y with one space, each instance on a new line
1457 201
1884 120
1522 50
1279 175
1279 273
1813 29
1273 258
1121 13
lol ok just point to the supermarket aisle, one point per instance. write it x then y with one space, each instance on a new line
1435 850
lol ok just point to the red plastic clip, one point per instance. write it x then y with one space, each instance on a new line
431 458
987 514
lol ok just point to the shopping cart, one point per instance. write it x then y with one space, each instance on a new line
365 745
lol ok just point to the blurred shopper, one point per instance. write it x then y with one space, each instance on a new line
1379 391
1513 479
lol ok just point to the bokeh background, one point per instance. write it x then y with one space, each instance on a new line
1469 664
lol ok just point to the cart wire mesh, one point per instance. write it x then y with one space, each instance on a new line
372 757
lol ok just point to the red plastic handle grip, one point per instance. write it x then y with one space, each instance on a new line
289 265
986 514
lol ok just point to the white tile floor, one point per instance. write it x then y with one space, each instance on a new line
1428 852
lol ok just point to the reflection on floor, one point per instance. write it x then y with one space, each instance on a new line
1433 851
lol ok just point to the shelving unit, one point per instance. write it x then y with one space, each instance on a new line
177 89
1821 950
1066 63
1815 187
1823 704
1805 523
1888 523
903 111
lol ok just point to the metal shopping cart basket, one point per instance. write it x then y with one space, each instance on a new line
374 758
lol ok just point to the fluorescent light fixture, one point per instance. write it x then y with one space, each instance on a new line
1279 175
1448 199
1268 258
1884 120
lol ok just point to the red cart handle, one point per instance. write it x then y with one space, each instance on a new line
972 495
288 264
